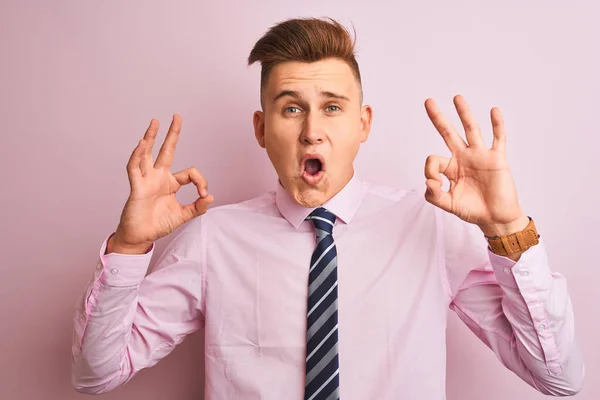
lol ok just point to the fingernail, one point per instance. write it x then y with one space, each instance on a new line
203 192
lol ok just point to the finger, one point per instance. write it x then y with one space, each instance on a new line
167 150
197 208
446 130
192 175
146 160
435 166
133 165
151 133
150 136
436 196
472 130
499 142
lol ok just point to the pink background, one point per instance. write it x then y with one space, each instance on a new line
80 81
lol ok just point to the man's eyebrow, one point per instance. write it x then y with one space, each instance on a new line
296 95
332 95
283 93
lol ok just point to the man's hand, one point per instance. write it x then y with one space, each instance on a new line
482 190
152 211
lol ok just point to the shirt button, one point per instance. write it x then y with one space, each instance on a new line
542 327
99 265
524 273
114 271
507 271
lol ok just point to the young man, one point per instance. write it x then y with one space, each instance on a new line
328 287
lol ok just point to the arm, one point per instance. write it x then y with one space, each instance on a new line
126 322
520 310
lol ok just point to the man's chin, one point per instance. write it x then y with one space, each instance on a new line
310 197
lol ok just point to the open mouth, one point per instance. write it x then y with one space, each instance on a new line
313 163
313 166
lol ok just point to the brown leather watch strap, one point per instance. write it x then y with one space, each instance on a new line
520 241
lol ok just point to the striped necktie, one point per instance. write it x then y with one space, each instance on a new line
322 364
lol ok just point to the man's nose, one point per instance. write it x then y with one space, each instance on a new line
313 131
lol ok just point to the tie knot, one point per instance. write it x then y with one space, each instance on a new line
322 219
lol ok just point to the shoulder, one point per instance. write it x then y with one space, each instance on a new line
264 203
455 232
397 204
254 204
392 194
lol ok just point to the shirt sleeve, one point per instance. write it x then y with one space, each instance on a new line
127 321
521 310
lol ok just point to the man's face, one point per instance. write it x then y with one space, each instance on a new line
312 125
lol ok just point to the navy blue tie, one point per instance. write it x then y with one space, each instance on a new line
322 364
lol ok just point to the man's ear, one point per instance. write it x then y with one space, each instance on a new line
366 117
259 127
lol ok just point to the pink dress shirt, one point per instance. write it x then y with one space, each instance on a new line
240 272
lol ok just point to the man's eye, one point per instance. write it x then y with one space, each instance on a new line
292 110
333 108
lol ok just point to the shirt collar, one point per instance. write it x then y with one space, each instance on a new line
344 204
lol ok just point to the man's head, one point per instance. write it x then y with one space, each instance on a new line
312 120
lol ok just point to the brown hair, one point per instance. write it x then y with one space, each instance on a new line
307 40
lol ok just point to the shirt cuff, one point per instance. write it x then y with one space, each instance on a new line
531 271
123 269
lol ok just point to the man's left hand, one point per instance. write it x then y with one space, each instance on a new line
482 190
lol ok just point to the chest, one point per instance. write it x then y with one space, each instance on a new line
257 280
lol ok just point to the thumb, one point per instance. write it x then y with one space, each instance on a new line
436 196
197 208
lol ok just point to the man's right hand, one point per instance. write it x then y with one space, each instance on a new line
152 211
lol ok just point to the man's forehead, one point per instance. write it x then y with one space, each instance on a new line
314 78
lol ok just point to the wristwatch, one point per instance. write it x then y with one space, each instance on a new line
516 242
